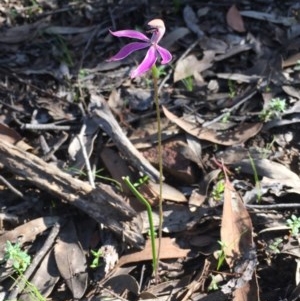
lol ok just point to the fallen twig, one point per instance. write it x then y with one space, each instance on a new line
102 203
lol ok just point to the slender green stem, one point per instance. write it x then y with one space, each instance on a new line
150 218
256 179
155 75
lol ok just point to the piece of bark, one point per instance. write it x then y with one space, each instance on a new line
107 122
102 203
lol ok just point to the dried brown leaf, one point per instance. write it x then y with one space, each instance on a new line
71 261
10 135
121 283
238 135
117 166
236 227
291 61
240 254
267 168
185 68
190 65
191 20
235 20
168 192
168 251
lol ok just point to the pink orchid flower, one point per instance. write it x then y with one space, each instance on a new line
158 29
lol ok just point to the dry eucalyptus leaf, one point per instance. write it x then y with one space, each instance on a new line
291 91
234 19
267 168
190 65
122 283
238 135
236 226
185 68
191 20
240 254
116 166
10 135
268 17
291 61
71 261
169 251
168 192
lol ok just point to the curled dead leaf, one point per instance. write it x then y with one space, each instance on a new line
238 135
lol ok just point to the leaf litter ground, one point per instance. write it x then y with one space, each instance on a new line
230 109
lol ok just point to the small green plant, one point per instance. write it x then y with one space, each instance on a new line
294 224
267 150
225 117
273 109
221 254
218 190
97 175
96 261
232 88
188 83
161 71
213 286
19 259
274 246
83 73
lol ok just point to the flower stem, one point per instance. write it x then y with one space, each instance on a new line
155 76
150 219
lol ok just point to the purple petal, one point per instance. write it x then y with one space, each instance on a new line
129 33
128 49
165 54
146 64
